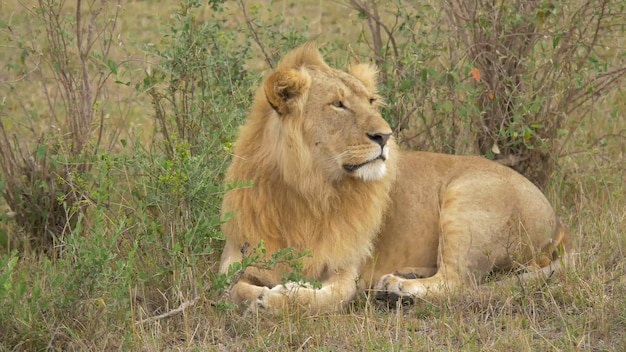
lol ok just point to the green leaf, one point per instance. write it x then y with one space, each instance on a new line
446 107
489 155
536 125
557 40
112 66
6 270
4 238
40 153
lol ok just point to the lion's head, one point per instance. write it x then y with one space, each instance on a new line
321 123
337 113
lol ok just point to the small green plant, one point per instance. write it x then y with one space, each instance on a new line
200 93
286 259
7 266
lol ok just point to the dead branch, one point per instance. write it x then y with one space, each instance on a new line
170 313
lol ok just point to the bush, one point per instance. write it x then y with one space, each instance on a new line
47 183
512 80
135 225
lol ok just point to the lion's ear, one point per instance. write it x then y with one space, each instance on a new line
284 87
366 73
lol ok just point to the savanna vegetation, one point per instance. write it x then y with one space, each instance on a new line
117 120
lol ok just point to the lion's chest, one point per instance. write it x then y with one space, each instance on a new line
326 236
333 241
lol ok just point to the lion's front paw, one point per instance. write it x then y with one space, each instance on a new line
270 301
273 300
390 283
392 288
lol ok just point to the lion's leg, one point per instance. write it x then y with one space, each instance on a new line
335 292
245 291
392 284
467 252
261 288
447 276
466 262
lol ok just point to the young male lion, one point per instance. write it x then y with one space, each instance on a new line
328 178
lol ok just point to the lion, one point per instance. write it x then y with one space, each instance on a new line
328 178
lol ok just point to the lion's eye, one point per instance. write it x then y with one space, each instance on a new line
372 100
339 104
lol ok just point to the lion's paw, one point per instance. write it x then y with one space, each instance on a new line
392 287
269 301
390 283
273 300
260 304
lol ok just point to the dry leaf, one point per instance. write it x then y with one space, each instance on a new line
476 74
495 149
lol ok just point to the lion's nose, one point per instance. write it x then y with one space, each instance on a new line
380 138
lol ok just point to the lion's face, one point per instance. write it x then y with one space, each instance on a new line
337 115
342 124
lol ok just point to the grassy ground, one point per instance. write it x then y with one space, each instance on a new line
139 275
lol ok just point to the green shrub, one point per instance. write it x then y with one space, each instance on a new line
509 81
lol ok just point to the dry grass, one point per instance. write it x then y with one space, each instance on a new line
66 308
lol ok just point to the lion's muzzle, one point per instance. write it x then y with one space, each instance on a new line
352 168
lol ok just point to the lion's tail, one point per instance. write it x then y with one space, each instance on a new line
563 250
560 252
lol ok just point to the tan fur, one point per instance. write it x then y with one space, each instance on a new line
328 179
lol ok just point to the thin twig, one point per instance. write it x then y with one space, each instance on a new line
239 274
170 313
255 35
375 24
303 346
